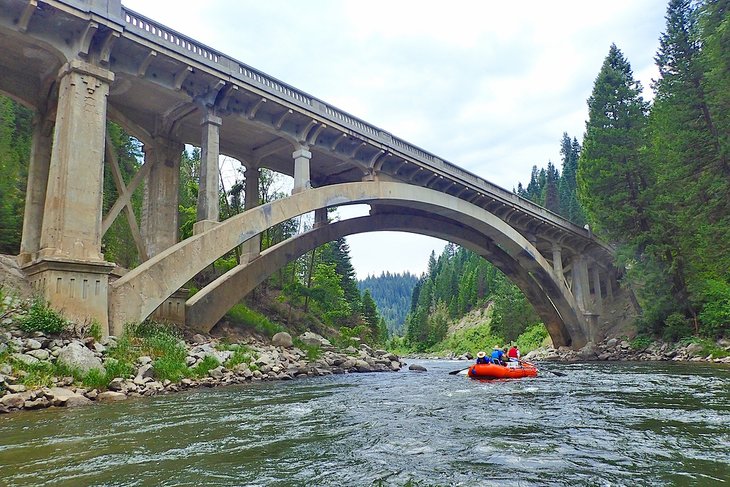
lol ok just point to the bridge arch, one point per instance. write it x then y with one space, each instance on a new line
136 295
210 304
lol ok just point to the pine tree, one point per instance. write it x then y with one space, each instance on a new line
613 174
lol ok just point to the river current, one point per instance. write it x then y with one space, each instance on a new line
597 424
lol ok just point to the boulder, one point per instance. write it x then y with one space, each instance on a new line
39 403
76 401
110 396
59 395
15 401
417 368
282 339
77 356
25 358
40 354
314 340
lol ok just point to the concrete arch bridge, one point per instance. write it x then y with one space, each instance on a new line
80 63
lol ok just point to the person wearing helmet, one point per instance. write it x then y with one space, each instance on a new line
482 358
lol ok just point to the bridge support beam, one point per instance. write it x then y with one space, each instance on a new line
302 180
597 294
69 270
208 197
161 195
251 247
558 262
35 197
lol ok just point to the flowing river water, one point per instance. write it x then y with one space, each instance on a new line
579 424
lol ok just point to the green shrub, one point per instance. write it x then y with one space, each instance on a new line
117 368
41 317
242 315
95 379
676 326
241 355
35 375
532 338
715 314
201 370
313 352
641 342
170 367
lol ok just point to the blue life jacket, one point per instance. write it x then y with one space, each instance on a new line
497 357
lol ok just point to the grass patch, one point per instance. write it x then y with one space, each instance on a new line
314 352
201 370
472 340
709 347
242 315
641 342
532 338
241 355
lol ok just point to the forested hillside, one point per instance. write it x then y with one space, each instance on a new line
654 179
392 294
457 282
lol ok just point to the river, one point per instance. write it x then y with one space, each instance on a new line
577 424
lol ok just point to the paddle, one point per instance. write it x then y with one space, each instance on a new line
559 374
454 372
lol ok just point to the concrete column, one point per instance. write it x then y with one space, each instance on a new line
69 271
208 197
579 271
35 197
610 279
301 157
251 247
72 210
161 195
598 298
558 262
320 217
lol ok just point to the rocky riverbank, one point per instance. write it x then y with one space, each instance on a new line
614 349
29 359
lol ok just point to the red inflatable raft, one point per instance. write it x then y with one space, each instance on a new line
493 371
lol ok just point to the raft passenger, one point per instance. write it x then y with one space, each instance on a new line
498 356
482 358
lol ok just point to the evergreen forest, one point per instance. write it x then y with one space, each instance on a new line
651 178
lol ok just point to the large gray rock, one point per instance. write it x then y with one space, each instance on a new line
110 396
282 339
77 356
314 340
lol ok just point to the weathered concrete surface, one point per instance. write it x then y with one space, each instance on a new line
134 296
206 307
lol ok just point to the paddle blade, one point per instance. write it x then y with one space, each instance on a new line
454 372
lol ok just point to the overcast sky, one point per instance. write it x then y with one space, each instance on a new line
489 86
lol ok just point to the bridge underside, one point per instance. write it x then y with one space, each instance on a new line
136 295
211 303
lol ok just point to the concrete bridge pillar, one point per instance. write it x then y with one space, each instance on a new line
610 279
581 289
161 195
598 298
320 217
35 198
558 262
252 247
208 197
301 156
69 270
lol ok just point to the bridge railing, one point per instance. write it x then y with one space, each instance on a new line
188 47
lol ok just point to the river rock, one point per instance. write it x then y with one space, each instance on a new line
39 403
216 373
417 368
110 396
59 395
77 356
282 339
314 340
15 401
145 371
40 354
25 358
15 388
33 344
77 400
